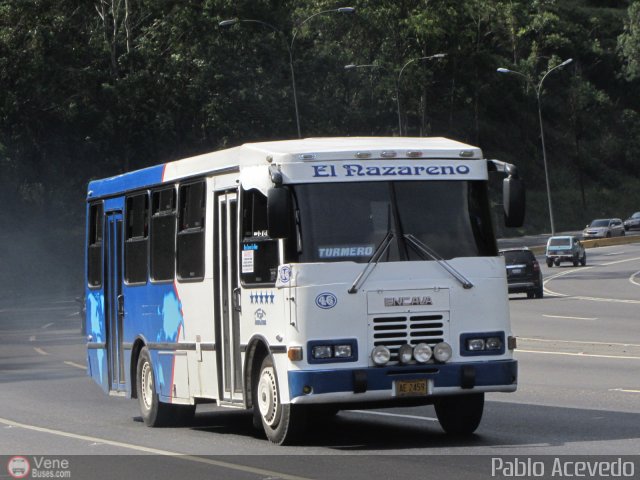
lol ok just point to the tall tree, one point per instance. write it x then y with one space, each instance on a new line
629 43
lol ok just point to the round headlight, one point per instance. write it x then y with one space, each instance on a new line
442 352
380 355
405 353
422 352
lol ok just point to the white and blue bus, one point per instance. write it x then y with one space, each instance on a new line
297 278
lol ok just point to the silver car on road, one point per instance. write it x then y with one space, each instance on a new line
604 228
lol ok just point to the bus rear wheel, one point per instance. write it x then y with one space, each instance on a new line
282 423
460 415
154 412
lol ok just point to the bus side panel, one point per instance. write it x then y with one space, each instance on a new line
154 312
198 311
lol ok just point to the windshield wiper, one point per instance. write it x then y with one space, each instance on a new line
373 261
423 249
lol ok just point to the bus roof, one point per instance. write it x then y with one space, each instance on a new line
283 152
342 146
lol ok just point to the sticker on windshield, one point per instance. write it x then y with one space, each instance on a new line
247 261
346 251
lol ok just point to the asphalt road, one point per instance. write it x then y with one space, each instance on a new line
579 394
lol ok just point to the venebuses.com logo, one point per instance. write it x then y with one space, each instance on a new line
38 467
18 467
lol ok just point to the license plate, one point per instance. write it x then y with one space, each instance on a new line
411 388
516 271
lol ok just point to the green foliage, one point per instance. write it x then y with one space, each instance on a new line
629 43
91 89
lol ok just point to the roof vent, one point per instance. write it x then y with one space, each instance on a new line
307 156
388 154
414 154
466 153
363 155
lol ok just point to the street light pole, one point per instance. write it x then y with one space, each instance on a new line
233 21
397 80
538 90
353 66
437 55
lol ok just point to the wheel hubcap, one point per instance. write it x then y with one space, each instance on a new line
268 397
147 385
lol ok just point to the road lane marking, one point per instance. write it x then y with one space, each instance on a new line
412 417
560 274
571 318
32 338
77 365
593 355
600 299
582 269
623 390
155 451
40 351
581 297
47 325
632 278
621 261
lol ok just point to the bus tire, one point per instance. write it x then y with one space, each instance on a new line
282 423
154 412
460 415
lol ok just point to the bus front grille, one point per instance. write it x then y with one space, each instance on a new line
394 331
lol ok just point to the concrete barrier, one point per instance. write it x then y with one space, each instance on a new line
605 242
595 243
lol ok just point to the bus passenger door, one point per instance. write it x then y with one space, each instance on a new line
114 302
227 293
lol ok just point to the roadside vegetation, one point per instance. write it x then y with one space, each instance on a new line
92 89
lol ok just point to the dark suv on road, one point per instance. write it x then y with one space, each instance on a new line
523 272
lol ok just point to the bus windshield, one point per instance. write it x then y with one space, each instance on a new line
347 221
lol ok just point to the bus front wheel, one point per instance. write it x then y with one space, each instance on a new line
282 423
460 414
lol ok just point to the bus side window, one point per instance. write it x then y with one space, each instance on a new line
190 243
259 256
136 238
163 234
94 246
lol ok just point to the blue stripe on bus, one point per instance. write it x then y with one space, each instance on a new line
153 312
503 372
127 181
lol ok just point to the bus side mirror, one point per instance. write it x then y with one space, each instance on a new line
513 195
279 212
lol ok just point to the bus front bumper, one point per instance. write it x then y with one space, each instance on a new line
379 383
